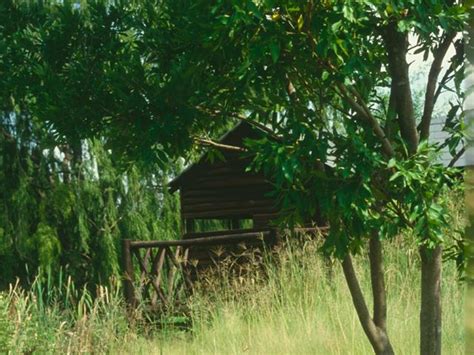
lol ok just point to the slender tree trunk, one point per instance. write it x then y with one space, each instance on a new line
396 44
469 237
430 313
374 328
378 282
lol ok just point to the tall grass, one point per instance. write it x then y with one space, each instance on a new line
55 317
300 309
293 305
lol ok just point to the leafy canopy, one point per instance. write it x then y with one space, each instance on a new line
322 75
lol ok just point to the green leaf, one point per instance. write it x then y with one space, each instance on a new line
300 22
275 51
404 25
348 13
395 176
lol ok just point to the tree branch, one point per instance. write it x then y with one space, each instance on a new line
368 324
377 336
446 77
240 117
7 135
390 126
211 143
259 125
456 157
363 111
430 96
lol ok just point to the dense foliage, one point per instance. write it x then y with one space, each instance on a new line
149 78
69 206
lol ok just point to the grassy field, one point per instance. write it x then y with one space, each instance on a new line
296 309
300 310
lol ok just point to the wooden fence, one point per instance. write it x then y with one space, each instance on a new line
160 274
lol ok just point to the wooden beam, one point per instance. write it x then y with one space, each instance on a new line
222 206
220 239
243 212
221 232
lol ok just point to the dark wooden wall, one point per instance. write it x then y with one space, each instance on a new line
224 190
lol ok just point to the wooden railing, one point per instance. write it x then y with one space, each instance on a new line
160 274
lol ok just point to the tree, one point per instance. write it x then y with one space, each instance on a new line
60 210
329 80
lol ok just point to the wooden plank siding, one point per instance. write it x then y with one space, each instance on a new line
224 189
437 135
235 194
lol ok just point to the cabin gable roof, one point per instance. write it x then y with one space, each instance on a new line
234 137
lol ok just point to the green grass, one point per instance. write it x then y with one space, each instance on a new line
295 309
299 310
58 318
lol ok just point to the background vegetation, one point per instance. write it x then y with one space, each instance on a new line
297 308
68 206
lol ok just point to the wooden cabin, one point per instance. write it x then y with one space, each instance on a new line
210 190
224 190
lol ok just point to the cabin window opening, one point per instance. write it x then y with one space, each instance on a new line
214 225
210 225
246 223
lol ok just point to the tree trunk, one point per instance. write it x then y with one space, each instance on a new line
396 44
376 334
378 282
430 313
469 237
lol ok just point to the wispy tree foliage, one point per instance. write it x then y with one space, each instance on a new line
69 206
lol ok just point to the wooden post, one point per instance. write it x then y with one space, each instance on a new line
128 277
189 225
235 223
277 235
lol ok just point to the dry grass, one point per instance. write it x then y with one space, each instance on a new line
291 306
298 309
60 319
294 309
